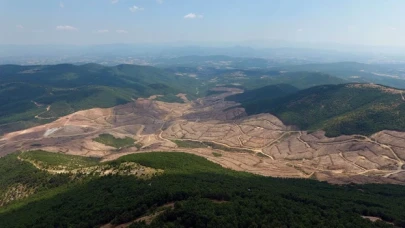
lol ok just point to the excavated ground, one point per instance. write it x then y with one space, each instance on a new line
269 147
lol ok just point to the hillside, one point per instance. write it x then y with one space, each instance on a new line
217 61
210 126
384 74
267 92
31 95
252 79
255 78
302 79
337 109
186 191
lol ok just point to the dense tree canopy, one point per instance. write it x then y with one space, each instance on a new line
203 195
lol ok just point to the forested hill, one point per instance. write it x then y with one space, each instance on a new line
28 91
337 109
264 93
384 74
186 191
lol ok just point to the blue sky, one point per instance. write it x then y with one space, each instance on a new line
369 22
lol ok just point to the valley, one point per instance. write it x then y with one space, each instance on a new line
223 133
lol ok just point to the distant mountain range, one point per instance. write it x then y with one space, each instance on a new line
292 53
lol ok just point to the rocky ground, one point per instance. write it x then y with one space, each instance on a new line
271 148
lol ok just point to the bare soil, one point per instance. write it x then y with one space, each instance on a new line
284 151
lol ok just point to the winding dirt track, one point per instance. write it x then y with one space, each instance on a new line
44 118
277 150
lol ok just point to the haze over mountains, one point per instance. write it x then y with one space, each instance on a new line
150 54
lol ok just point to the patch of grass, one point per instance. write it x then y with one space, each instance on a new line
170 98
214 92
138 145
216 154
261 155
195 144
190 144
48 160
36 144
225 148
117 143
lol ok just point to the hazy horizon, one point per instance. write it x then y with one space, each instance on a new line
74 22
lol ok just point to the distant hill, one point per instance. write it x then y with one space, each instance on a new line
32 95
303 80
264 93
217 61
337 109
280 85
253 79
386 74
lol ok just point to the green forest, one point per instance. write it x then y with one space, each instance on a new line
337 109
32 95
117 143
191 192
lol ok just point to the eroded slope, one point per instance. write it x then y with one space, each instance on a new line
260 144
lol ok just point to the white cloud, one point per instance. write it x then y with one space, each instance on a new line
159 1
134 9
192 16
61 5
114 1
392 28
65 28
19 26
122 31
300 30
102 31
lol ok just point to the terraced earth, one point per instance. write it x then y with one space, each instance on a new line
223 133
